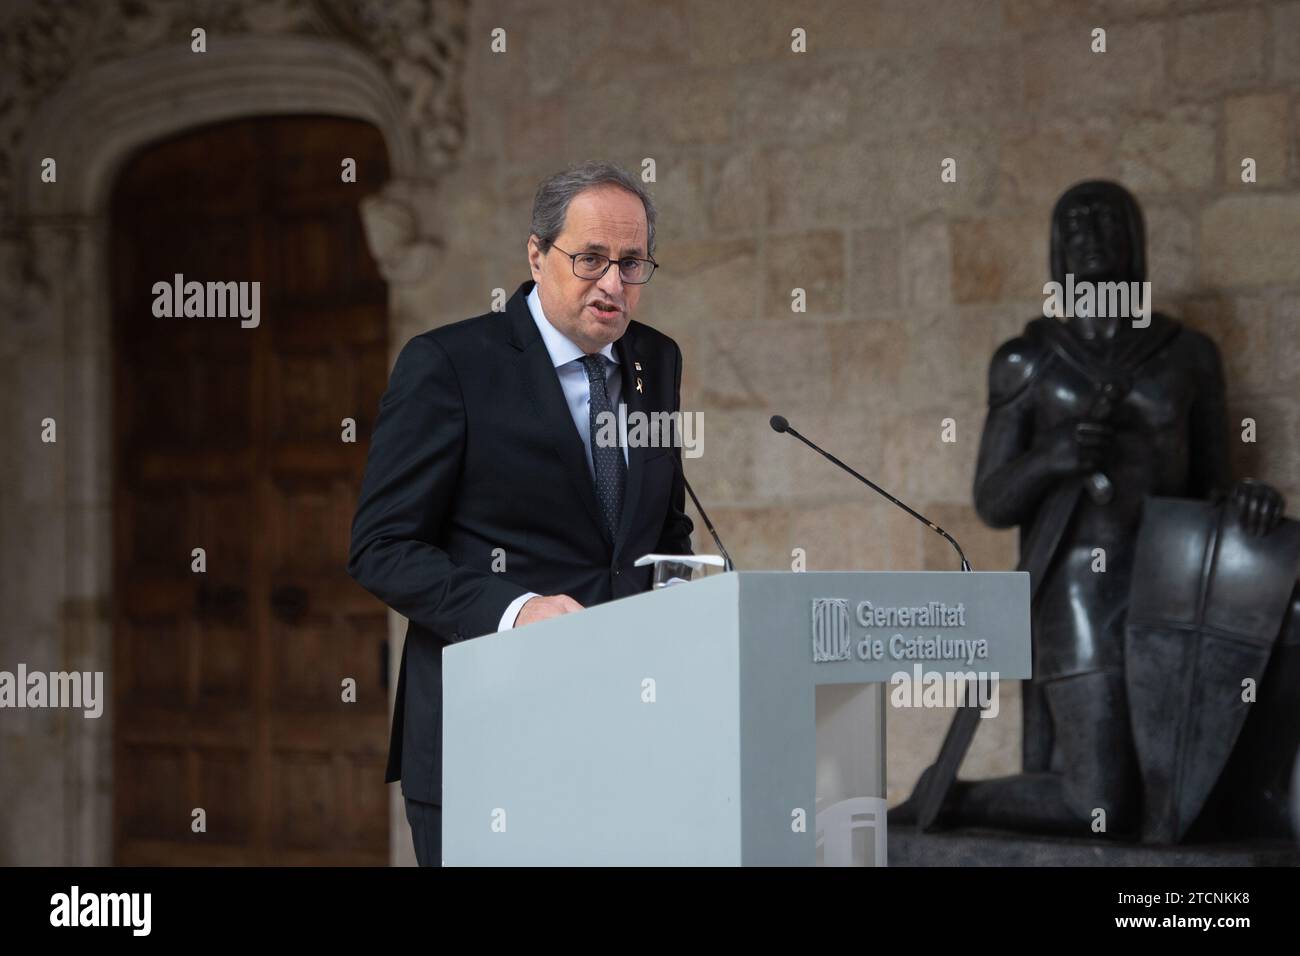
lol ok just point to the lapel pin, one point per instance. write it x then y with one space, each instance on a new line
638 366
638 385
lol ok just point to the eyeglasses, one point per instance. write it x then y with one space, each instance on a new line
592 265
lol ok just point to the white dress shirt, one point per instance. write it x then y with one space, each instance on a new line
566 357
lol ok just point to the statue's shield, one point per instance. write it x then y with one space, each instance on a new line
1206 603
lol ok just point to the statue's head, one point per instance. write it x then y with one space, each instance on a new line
1097 234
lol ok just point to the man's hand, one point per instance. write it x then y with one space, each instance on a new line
540 608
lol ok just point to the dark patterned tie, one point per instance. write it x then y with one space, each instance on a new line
611 469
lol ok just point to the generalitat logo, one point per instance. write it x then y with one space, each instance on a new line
831 638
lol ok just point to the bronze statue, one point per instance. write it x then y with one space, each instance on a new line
1090 417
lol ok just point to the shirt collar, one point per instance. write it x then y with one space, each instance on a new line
561 348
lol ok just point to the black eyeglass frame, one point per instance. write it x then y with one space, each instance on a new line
573 262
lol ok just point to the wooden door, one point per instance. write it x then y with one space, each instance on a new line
228 684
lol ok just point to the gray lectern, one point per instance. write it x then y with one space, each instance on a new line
721 722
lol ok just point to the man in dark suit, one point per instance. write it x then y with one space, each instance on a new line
495 493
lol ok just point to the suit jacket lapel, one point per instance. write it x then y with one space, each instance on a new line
635 402
542 385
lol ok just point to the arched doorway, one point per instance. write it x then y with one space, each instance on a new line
230 683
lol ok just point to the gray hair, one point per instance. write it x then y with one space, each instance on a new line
551 204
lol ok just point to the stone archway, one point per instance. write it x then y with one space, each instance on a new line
53 294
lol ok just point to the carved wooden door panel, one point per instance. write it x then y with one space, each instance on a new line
228 684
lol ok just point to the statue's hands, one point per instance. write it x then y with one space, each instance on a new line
1078 447
1259 506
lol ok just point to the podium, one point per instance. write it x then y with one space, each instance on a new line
715 723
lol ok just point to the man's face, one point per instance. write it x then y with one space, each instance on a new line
603 219
1096 240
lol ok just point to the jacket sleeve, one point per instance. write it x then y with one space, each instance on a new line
410 483
675 538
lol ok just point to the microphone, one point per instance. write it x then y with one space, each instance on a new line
728 565
779 424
